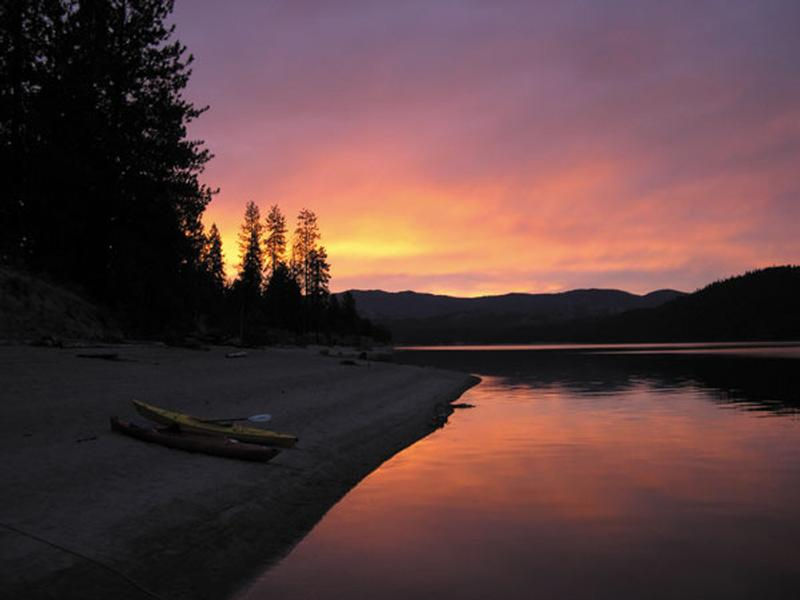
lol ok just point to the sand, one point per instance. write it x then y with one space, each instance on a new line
87 513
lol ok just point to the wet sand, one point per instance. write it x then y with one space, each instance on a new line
87 513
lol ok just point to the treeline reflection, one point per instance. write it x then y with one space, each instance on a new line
755 383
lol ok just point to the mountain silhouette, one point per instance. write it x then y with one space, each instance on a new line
759 305
430 318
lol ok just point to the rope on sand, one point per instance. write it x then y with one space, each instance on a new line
109 568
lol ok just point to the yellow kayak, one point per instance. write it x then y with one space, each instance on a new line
251 435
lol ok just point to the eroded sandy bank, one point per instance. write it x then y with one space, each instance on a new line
181 525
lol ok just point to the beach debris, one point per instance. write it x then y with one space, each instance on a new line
239 354
463 405
48 341
382 357
440 414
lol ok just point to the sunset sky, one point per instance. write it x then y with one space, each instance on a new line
475 148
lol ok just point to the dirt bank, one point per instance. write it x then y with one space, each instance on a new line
87 513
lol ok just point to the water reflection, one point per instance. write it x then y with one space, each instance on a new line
599 477
751 378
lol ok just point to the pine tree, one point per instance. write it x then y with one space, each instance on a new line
283 299
316 298
29 34
319 274
275 245
306 236
105 188
251 253
213 260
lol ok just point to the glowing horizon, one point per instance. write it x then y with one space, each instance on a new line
473 149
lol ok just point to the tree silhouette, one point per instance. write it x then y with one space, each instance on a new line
247 287
304 242
316 298
251 253
349 312
91 94
283 300
319 273
101 182
275 245
213 260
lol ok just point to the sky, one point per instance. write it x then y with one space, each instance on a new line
474 148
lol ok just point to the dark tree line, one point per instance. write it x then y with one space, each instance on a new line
279 295
101 184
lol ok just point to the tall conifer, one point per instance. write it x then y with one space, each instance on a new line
304 242
251 252
275 245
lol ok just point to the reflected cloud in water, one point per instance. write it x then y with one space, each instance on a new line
577 475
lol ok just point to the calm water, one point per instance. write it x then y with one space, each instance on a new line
578 475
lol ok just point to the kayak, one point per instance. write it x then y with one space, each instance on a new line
187 423
195 442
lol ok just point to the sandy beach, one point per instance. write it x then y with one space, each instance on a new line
87 513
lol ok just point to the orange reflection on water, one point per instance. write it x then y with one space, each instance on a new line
580 495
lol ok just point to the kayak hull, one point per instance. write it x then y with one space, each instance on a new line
193 442
187 423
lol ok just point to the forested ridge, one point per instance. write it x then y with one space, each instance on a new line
102 184
758 305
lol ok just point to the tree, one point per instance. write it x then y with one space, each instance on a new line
283 300
319 274
27 30
316 297
275 245
306 236
213 260
334 314
251 253
247 287
349 312
105 192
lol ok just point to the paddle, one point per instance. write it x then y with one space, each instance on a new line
263 418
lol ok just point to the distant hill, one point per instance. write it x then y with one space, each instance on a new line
428 318
759 305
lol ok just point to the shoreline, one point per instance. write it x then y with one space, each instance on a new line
160 523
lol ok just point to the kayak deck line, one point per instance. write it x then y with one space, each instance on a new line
188 423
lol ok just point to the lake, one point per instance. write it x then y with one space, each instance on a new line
581 472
